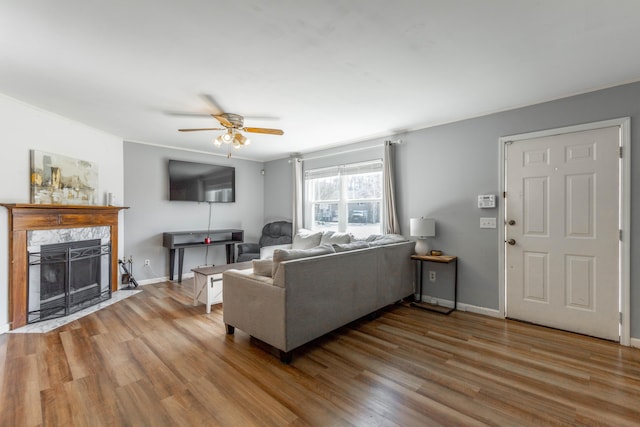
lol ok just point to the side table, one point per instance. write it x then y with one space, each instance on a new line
207 282
443 259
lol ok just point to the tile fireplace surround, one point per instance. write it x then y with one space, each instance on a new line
26 217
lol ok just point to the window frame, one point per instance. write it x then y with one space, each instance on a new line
342 173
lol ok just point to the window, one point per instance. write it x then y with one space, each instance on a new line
345 198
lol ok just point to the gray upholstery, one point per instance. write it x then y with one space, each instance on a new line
273 233
309 297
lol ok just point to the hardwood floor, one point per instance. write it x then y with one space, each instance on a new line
154 360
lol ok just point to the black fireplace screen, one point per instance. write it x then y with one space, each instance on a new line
67 277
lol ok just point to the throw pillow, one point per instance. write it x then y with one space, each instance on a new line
306 239
280 255
343 247
267 251
334 237
263 267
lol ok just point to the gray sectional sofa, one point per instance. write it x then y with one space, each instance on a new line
302 294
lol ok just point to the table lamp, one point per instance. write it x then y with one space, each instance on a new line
422 228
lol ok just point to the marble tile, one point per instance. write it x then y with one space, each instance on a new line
50 325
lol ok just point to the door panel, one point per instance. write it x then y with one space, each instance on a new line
536 283
580 206
579 283
562 194
537 210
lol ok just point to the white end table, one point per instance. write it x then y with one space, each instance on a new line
207 282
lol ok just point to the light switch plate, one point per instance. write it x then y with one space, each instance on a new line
487 223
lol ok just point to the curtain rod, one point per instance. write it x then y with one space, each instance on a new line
353 150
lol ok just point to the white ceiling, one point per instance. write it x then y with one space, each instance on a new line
327 72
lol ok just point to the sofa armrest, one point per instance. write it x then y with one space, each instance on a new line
252 304
267 251
251 248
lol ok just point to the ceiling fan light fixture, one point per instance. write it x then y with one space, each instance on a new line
218 141
240 139
227 137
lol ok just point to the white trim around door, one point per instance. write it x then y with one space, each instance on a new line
625 210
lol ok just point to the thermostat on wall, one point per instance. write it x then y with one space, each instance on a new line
486 201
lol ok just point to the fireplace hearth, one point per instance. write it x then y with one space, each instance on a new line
67 277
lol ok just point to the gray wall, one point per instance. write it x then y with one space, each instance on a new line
344 155
441 171
150 212
278 177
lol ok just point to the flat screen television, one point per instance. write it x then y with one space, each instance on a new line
201 182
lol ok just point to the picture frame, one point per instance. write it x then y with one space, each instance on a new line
61 180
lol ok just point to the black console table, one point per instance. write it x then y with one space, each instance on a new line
196 239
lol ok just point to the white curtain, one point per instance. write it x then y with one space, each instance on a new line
298 200
391 223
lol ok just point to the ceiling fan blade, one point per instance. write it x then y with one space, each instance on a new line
264 130
209 99
223 120
261 118
199 129
186 114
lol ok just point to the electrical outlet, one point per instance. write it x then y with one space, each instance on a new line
147 262
432 276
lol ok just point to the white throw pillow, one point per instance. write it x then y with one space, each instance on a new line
334 237
306 239
267 251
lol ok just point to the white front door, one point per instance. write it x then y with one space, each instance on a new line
562 231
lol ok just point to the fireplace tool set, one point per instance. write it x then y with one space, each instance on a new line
127 277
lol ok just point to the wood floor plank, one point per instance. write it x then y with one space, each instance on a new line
141 405
79 352
57 409
92 402
117 360
186 410
164 381
21 392
156 359
3 356
53 368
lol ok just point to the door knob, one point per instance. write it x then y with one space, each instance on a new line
512 222
511 242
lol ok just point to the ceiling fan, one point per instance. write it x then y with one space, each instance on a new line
233 125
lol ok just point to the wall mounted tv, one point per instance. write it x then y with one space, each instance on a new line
201 182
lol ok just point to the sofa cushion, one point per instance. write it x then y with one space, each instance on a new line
388 239
280 255
306 239
331 237
263 267
343 247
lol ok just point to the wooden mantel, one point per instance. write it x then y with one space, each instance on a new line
26 217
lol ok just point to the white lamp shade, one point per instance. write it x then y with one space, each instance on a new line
423 227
